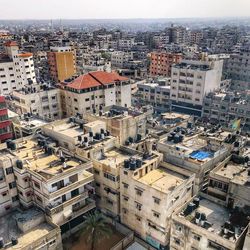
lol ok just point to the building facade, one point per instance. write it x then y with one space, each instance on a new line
61 63
5 123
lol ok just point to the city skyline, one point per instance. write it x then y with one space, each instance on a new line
123 10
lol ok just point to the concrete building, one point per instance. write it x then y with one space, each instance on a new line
16 69
29 229
154 94
37 173
194 152
191 81
161 63
93 91
5 123
126 124
42 101
149 195
120 58
229 181
61 63
225 107
203 224
238 68
27 125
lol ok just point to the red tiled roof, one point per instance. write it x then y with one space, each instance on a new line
94 79
10 43
25 54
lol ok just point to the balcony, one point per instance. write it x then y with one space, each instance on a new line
86 179
60 207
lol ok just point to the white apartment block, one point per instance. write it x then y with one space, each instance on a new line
93 91
16 69
41 101
191 81
119 58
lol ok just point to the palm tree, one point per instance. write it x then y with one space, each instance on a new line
95 228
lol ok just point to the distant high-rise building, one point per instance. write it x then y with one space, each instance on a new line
161 63
61 63
16 69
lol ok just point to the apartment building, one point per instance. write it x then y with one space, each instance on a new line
93 141
92 91
37 173
204 224
195 151
62 63
161 63
120 58
5 123
229 181
16 68
191 81
238 68
27 125
29 229
41 100
149 195
154 94
124 123
225 107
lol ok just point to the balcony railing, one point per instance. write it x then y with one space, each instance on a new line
60 207
69 187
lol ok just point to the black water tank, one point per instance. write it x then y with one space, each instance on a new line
50 151
176 139
138 163
139 137
102 131
79 138
8 142
189 125
126 163
85 139
12 145
19 164
91 134
108 133
132 165
14 241
196 201
1 243
81 125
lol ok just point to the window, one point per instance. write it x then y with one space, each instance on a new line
97 184
96 171
125 198
9 170
12 185
37 185
196 237
125 185
138 192
4 194
138 206
156 214
110 176
156 200
39 199
15 198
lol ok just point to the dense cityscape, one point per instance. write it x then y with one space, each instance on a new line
125 134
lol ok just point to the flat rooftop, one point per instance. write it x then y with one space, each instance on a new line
48 166
173 115
216 217
163 179
114 158
237 173
32 123
66 128
9 228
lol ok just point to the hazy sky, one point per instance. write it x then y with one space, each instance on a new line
79 9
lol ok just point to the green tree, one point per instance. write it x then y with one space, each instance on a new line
95 228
